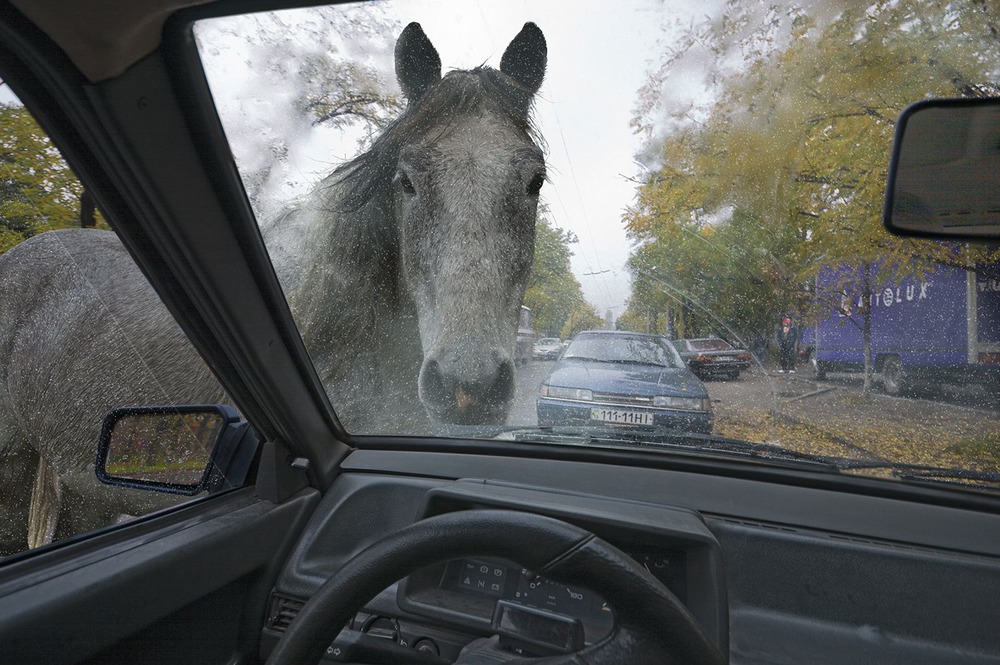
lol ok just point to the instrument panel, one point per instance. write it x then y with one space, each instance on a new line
527 609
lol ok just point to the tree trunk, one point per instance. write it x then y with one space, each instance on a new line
866 326
87 207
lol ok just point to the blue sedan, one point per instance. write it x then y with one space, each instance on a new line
623 379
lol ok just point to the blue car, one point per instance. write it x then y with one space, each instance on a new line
626 379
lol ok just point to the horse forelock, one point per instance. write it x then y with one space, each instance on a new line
478 91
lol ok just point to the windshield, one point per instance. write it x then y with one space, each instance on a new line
443 187
710 345
623 349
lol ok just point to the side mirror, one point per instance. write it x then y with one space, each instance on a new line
944 178
175 449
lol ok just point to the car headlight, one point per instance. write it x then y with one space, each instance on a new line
685 403
566 393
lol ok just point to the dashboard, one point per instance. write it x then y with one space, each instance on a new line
444 607
767 570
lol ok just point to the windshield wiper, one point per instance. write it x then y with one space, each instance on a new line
937 475
901 470
669 438
619 361
665 438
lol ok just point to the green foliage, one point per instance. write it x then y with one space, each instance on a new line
554 294
38 191
583 317
784 170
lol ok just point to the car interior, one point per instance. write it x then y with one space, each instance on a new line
312 542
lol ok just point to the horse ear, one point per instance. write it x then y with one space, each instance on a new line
418 64
525 57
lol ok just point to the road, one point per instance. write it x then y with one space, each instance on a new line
952 427
529 378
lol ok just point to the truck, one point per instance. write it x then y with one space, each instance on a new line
941 328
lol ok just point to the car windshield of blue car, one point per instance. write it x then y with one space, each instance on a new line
710 345
446 187
621 349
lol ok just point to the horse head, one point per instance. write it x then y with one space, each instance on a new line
465 195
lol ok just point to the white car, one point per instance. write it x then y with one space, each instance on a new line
547 348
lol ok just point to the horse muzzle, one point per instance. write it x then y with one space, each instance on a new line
467 389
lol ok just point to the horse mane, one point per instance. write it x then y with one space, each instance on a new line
460 92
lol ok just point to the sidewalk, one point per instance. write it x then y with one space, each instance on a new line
833 418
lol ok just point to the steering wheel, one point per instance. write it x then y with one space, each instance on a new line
651 625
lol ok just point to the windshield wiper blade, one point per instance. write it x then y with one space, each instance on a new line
664 438
634 361
930 474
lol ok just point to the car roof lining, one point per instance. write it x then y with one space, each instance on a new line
103 39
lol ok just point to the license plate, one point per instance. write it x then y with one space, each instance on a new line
727 359
621 417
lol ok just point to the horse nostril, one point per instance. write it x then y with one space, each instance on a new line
502 388
432 384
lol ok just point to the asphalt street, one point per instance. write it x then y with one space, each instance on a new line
795 393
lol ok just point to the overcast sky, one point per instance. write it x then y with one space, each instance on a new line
599 54
583 109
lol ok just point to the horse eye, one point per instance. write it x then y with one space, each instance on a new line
405 183
536 183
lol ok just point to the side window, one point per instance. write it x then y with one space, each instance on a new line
81 333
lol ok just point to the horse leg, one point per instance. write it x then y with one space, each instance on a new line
16 471
43 514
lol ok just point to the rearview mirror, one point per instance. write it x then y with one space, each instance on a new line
944 178
166 448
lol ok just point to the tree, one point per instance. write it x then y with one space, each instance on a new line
583 317
783 169
38 190
331 70
554 294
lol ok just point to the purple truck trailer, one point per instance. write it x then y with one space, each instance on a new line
942 329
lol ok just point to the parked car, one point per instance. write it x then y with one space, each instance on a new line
547 348
626 379
525 337
713 357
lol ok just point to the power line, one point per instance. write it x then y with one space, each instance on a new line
583 211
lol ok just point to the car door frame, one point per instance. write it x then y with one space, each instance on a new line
179 207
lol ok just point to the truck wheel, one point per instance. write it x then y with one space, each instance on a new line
893 377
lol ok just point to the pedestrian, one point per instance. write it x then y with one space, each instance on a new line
788 337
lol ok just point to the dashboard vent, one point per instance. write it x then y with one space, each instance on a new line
281 611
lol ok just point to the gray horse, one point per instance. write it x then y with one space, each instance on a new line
405 271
